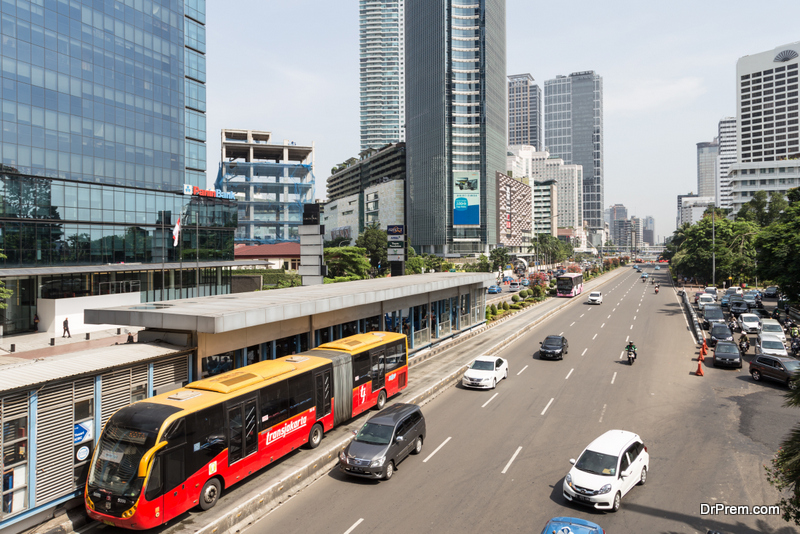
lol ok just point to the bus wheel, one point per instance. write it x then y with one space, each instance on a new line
381 400
210 494
315 436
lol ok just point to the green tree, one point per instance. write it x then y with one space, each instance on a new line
4 293
499 258
340 241
483 265
779 248
347 261
777 205
374 241
415 265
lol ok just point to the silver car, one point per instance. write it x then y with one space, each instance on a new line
770 345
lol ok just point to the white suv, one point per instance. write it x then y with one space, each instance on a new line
595 297
606 470
705 298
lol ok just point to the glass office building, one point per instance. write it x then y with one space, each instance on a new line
103 129
456 123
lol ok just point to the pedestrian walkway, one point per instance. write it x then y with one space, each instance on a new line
36 345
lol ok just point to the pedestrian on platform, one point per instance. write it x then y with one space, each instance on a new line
66 328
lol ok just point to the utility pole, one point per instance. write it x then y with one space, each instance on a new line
713 246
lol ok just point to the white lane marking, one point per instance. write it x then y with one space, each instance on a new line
503 472
548 405
614 377
609 316
637 310
602 413
581 315
612 311
570 372
634 317
573 322
437 449
631 327
490 400
561 334
621 354
602 325
351 529
520 371
595 335
584 351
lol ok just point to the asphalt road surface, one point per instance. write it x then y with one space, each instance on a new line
494 461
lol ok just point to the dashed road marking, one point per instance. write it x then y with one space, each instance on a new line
548 405
437 449
612 378
520 371
503 472
584 351
570 372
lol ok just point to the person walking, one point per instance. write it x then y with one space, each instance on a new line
35 322
66 328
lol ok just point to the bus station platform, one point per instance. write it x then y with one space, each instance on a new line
432 370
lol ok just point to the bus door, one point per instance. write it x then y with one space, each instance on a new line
324 388
242 421
378 359
172 463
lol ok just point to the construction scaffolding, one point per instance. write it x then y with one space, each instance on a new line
271 183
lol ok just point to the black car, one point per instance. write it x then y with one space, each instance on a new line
727 354
739 307
712 315
761 313
771 292
384 441
719 332
554 347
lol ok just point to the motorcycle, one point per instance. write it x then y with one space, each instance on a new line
631 356
656 291
795 346
744 346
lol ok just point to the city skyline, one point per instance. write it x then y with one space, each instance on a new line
664 90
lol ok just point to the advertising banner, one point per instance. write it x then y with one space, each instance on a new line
466 198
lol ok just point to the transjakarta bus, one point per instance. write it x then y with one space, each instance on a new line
569 284
159 457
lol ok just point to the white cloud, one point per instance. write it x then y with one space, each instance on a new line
651 94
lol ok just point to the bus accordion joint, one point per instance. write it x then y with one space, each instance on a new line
144 464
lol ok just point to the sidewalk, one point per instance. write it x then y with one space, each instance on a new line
36 345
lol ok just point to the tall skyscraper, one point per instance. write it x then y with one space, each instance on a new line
707 168
649 232
726 134
456 123
573 131
382 71
524 111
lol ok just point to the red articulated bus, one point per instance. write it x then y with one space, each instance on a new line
159 457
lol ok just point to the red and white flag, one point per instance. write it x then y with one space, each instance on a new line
176 232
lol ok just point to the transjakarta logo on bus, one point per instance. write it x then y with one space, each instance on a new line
286 429
196 191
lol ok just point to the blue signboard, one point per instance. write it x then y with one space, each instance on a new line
395 229
466 198
82 432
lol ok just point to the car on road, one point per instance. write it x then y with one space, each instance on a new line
513 286
644 275
761 313
697 296
526 282
493 290
657 268
553 347
774 368
719 332
712 314
607 470
485 372
770 345
704 299
725 301
774 328
595 297
749 323
711 290
738 308
384 441
727 354
752 301
571 525
735 290
771 292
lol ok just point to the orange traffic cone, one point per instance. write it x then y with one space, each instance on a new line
699 369
705 347
700 357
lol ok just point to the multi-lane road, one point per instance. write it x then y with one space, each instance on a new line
494 461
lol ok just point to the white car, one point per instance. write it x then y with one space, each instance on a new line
773 328
595 297
750 323
770 345
705 299
606 470
485 372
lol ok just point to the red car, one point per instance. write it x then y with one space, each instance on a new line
697 296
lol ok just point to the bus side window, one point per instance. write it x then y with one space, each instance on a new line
274 404
205 437
155 485
391 358
361 369
301 393
176 433
401 353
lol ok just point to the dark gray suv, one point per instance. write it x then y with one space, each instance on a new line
384 441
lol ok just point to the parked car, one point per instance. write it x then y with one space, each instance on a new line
771 292
719 332
727 353
738 308
384 441
749 323
774 328
572 525
774 368
705 298
607 470
595 297
554 347
770 345
485 372
712 314
493 290
514 286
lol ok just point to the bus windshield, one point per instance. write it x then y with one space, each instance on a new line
117 464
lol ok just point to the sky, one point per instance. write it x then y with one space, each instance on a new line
668 68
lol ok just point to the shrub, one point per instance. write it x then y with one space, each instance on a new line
515 298
506 306
516 307
493 309
488 314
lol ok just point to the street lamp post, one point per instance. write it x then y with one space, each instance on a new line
713 246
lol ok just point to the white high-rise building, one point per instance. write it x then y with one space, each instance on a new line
524 111
726 134
707 168
382 72
767 124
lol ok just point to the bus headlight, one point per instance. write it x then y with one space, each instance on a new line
89 502
128 513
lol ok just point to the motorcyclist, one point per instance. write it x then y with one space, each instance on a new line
732 325
630 347
656 290
794 331
744 342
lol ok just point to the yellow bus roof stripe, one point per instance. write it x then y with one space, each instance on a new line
361 342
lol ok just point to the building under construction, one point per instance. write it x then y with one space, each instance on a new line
271 183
